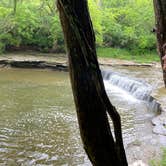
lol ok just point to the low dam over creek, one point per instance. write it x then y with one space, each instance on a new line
38 124
138 89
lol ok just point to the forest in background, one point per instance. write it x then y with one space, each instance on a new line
34 24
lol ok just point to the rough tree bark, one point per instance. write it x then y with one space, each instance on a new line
92 103
160 15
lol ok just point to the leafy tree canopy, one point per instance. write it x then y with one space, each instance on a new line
117 23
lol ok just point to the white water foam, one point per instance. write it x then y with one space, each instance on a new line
130 89
119 92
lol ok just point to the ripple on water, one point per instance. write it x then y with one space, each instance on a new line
38 123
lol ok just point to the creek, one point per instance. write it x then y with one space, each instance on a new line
38 124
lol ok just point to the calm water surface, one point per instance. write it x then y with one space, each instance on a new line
38 124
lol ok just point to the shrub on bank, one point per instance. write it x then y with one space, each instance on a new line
117 24
31 26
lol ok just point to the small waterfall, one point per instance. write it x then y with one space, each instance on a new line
139 89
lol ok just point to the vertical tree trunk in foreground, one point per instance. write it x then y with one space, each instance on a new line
160 14
92 103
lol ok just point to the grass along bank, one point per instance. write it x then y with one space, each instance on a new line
162 162
131 55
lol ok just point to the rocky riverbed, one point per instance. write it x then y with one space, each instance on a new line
55 61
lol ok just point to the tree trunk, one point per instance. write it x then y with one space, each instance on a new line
160 14
15 6
92 103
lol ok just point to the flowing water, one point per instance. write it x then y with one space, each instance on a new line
38 124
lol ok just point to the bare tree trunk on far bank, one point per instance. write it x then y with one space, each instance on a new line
160 15
15 6
92 103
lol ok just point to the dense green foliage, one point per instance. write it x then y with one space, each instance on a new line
125 23
117 23
34 24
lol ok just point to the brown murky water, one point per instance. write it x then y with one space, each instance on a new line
38 124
